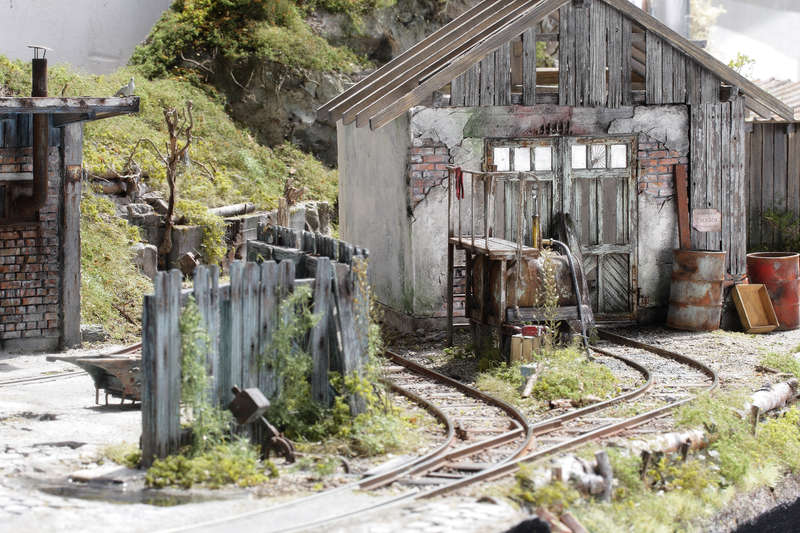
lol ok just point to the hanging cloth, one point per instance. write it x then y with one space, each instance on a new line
459 174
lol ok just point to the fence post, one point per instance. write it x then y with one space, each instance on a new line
149 374
206 295
236 339
250 325
269 317
173 361
319 338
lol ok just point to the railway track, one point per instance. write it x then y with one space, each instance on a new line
486 439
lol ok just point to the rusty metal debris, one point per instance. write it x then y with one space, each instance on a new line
248 406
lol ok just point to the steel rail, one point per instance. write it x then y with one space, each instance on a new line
42 379
603 432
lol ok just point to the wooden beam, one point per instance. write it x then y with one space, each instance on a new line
359 89
760 109
63 120
71 105
405 71
405 79
395 108
705 59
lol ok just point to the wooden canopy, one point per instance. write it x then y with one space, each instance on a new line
411 78
66 110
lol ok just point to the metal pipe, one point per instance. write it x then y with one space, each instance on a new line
28 205
578 297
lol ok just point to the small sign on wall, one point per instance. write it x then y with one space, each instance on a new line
707 220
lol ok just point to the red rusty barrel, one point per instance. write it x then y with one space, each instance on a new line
695 300
780 273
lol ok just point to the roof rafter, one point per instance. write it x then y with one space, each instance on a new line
474 30
463 63
333 108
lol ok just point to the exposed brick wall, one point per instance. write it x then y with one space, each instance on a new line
657 167
427 168
16 160
29 260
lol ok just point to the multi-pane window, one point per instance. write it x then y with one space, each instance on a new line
522 158
592 156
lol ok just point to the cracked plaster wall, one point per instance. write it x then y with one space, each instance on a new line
406 229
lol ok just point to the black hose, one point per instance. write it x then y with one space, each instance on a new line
578 297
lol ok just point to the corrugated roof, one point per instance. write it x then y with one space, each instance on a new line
787 91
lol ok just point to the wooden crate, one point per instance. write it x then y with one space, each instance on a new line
755 308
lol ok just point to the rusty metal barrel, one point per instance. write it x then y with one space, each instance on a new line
695 301
780 273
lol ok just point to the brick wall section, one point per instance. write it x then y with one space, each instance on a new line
427 168
657 168
29 259
16 160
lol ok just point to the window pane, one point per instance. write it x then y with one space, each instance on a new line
522 159
619 156
598 156
501 159
543 158
579 156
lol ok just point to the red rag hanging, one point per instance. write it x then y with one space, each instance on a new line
459 183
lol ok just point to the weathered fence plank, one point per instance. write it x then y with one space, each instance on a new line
319 343
241 319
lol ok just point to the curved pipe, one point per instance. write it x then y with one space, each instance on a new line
578 297
28 205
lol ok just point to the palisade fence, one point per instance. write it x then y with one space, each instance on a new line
241 318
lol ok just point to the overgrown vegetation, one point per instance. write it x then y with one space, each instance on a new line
380 429
231 168
676 495
211 31
783 362
704 14
105 263
787 229
566 374
215 457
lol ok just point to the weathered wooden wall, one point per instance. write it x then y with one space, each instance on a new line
605 59
773 180
241 318
718 178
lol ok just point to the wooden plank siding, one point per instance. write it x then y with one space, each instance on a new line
241 319
717 178
773 181
596 58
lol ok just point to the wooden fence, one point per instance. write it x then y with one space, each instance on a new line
773 176
241 318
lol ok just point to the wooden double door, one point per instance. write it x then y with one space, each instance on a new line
593 179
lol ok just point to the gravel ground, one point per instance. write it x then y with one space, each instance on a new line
51 429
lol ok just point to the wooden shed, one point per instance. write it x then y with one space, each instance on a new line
604 133
41 156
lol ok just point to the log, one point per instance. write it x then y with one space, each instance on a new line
604 469
556 526
770 397
233 210
571 522
580 473
696 439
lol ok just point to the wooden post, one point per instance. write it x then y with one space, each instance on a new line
450 261
283 213
149 375
269 318
71 236
682 200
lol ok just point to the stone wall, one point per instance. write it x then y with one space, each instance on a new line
30 297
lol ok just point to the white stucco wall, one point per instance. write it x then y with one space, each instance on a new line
463 130
373 205
765 30
97 36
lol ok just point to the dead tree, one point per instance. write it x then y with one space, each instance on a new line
179 129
